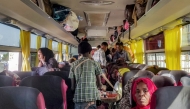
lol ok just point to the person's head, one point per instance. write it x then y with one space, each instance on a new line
61 64
45 53
104 46
98 46
119 46
84 48
142 90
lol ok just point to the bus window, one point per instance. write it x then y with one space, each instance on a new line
185 62
9 60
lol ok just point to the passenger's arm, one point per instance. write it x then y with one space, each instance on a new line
71 76
98 72
103 59
115 57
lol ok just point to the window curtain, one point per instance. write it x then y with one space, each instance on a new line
60 52
38 45
25 47
172 48
67 52
133 49
137 48
139 51
50 44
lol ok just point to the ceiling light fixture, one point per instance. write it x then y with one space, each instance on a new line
97 3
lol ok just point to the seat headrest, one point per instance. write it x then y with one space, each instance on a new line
127 76
141 66
163 72
6 81
178 74
63 74
185 81
21 98
134 65
144 73
162 81
50 86
24 74
171 97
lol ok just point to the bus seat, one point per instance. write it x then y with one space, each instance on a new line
141 66
171 97
162 81
64 75
163 72
185 80
127 76
144 73
134 65
6 81
21 98
155 70
52 87
23 74
178 74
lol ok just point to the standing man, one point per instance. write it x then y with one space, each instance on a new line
99 55
120 55
84 73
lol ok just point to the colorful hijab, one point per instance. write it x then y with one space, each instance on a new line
151 88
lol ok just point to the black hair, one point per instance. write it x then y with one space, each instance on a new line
98 46
47 53
105 43
119 43
84 47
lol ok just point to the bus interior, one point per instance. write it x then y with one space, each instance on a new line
155 35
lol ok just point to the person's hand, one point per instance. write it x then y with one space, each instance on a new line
42 60
40 64
122 59
102 88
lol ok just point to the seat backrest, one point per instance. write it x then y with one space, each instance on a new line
134 65
52 87
127 76
21 98
185 81
63 74
24 74
163 72
144 73
162 81
171 97
178 74
156 70
141 66
6 81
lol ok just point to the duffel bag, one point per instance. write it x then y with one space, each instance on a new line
60 12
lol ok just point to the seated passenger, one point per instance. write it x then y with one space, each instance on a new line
120 55
47 61
61 65
142 90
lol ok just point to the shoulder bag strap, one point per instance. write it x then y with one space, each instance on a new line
78 66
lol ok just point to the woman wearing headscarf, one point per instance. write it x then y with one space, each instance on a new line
142 90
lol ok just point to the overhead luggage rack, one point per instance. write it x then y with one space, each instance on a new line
30 14
162 13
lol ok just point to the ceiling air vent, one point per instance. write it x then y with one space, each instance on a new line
97 3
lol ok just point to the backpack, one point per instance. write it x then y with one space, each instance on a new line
48 7
129 13
140 7
60 12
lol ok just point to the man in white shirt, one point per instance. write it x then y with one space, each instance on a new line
99 55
